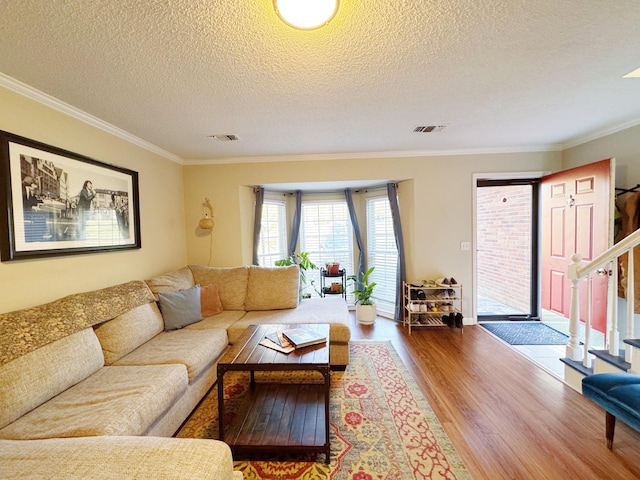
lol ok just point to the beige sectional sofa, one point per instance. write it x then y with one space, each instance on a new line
93 383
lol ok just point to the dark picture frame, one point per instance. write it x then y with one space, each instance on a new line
56 202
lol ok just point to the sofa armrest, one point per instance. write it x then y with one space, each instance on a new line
116 457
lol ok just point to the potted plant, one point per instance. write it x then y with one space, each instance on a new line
365 306
304 263
333 268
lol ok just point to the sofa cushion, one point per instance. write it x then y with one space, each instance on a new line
273 288
195 349
113 401
127 332
222 320
332 310
181 308
34 378
210 301
231 283
109 458
171 282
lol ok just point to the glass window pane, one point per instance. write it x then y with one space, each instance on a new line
273 233
326 233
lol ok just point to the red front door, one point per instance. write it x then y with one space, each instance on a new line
575 218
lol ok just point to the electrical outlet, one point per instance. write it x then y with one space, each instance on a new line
465 245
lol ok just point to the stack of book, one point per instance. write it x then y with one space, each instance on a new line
287 341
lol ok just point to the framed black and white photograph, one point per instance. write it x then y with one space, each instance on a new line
56 202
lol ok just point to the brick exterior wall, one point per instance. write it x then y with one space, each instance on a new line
504 244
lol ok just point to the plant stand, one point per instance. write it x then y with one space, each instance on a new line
333 277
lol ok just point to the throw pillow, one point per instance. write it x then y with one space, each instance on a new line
210 301
180 308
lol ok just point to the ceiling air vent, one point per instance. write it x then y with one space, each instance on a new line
224 138
428 128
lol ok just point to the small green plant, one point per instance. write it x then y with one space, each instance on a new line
304 262
363 288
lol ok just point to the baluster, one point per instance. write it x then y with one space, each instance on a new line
586 356
628 349
573 345
613 338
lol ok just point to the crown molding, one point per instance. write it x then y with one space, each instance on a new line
62 107
600 133
374 155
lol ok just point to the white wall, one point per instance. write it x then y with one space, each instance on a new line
435 196
30 282
624 146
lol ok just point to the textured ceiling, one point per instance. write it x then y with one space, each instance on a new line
501 75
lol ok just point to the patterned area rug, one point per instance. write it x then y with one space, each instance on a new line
526 333
381 425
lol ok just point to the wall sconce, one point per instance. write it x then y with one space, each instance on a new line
206 222
308 14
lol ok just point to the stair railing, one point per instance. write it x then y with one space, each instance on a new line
605 263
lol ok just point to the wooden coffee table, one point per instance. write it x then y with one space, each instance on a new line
282 417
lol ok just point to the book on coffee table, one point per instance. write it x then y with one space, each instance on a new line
287 341
276 346
302 337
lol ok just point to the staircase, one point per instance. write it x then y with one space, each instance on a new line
581 359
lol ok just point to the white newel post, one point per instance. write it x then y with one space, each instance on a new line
573 345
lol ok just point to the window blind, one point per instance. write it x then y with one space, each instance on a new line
382 251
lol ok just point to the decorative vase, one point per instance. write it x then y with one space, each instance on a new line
366 314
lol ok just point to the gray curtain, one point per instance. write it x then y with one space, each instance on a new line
257 222
356 230
295 225
392 193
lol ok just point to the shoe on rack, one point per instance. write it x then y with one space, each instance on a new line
452 281
446 320
423 308
421 295
458 320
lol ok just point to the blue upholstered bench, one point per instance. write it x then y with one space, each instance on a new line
619 395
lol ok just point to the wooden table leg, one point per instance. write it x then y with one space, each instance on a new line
221 373
327 393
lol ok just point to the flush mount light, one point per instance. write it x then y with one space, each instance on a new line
634 74
306 14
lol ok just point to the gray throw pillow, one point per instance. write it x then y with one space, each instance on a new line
180 308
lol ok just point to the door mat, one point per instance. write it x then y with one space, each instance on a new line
381 425
526 333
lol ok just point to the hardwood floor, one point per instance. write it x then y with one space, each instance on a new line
507 417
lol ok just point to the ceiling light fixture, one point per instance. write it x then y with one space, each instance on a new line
306 14
634 74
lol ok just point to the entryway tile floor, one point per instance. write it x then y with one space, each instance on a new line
546 356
